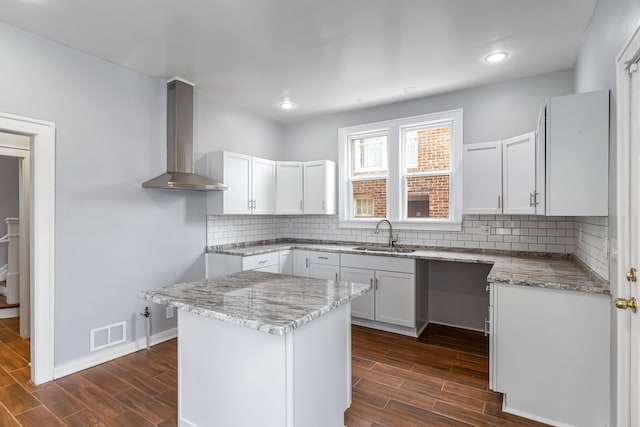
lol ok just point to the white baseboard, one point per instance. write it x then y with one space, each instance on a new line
534 417
110 354
8 313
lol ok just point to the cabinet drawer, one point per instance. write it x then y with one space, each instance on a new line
258 261
330 258
404 265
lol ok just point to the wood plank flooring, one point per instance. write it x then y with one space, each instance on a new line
439 379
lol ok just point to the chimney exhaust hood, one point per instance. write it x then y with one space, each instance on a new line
180 174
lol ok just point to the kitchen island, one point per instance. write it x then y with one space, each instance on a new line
265 349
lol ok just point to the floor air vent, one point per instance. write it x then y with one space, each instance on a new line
107 336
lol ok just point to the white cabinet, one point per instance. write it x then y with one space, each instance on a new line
363 306
289 188
286 262
393 299
549 346
575 131
252 183
320 195
501 176
317 265
217 265
519 175
482 176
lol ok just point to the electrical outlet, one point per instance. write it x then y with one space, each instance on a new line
171 312
329 226
580 235
605 248
485 230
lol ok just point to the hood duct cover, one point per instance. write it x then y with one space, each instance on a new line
180 144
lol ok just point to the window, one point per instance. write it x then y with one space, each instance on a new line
404 170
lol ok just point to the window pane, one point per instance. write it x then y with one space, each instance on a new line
370 198
369 156
432 152
428 196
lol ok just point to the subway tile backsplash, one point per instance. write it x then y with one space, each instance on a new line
507 232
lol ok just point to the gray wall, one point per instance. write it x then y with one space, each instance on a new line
491 112
612 24
113 238
8 198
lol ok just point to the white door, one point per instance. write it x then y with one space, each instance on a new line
314 188
237 175
324 272
301 263
395 298
289 188
482 187
632 287
363 306
519 174
263 186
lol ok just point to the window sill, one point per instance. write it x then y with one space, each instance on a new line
405 225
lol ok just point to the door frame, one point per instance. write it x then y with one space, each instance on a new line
622 346
42 225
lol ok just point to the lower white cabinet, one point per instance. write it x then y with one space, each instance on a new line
317 265
286 262
550 354
393 298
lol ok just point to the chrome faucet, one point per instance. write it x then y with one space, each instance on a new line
392 241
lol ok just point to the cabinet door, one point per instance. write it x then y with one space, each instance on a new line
482 178
301 263
263 186
395 298
577 154
364 305
237 175
541 133
289 188
286 262
325 272
519 174
320 188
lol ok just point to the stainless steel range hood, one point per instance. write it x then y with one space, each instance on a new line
180 174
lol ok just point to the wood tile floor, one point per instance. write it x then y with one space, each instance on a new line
439 379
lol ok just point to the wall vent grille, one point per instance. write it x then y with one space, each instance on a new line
107 336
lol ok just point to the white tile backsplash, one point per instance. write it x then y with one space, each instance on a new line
507 232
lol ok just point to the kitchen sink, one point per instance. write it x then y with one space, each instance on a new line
384 249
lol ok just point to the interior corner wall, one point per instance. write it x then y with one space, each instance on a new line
113 238
9 198
491 112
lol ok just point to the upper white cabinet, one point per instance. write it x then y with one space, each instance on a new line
320 196
252 183
482 165
519 191
289 188
575 132
502 177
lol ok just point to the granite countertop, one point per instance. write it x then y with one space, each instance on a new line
267 302
518 268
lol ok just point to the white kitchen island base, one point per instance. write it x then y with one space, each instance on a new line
233 376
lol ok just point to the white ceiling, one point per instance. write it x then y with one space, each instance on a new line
329 55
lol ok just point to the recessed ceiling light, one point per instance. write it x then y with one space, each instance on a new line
409 89
496 57
287 105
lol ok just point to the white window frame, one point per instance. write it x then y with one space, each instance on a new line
384 162
396 182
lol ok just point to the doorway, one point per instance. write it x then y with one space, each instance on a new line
37 170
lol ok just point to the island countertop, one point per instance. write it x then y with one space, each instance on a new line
267 302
